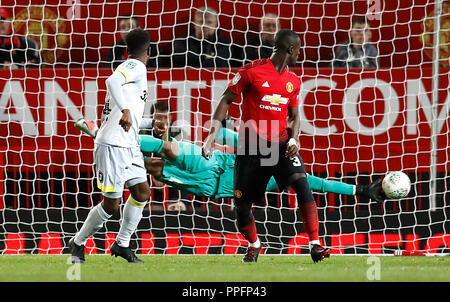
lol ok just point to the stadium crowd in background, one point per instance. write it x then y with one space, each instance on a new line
205 46
117 54
261 45
357 52
16 51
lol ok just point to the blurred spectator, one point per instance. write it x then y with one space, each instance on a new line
118 52
205 45
358 52
28 55
16 52
177 206
261 46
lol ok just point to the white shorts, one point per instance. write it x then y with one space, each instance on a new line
116 167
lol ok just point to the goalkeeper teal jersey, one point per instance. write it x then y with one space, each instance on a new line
194 174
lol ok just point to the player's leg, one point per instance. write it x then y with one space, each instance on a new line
249 183
132 212
136 176
292 172
96 218
110 173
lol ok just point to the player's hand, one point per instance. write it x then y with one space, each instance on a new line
159 128
126 121
207 149
293 147
373 191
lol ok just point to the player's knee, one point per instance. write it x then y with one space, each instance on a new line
296 176
301 188
244 213
111 205
142 195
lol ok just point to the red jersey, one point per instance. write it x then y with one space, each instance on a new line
266 96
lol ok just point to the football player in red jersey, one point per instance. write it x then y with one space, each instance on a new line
265 146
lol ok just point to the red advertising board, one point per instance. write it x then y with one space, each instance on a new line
52 243
371 121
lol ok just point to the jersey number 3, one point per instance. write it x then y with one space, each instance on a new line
296 161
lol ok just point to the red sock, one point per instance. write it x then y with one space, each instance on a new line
310 219
249 231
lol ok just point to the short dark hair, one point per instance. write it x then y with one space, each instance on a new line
138 41
360 20
128 17
160 106
284 38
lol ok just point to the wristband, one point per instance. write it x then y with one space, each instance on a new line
292 141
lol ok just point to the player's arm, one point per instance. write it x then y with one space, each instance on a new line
219 114
293 124
114 84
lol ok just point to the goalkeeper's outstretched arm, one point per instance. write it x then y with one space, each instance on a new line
219 115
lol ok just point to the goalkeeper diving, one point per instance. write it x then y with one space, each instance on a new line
183 167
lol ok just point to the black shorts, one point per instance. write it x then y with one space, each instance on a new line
251 177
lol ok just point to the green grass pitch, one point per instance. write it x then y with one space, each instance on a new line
217 268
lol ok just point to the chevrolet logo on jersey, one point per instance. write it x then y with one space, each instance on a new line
275 99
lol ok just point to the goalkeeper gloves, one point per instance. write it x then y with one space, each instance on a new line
372 191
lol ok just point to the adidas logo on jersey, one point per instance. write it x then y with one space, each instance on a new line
265 84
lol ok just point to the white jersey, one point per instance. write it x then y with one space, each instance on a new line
135 93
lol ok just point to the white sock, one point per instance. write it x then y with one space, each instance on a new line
255 244
94 222
314 242
132 214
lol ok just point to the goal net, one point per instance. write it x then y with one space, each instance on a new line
366 109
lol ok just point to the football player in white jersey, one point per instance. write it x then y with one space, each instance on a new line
117 156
